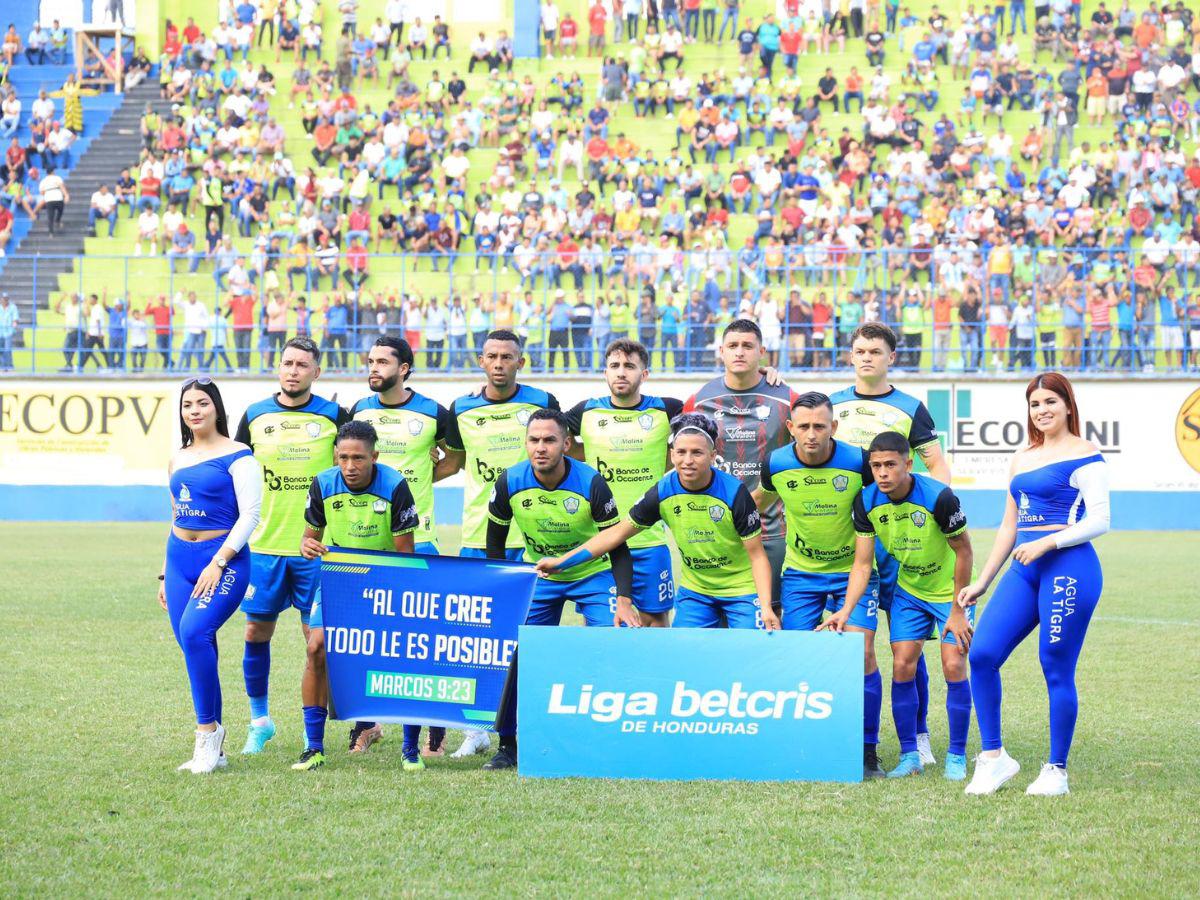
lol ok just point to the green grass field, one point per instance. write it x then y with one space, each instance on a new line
97 716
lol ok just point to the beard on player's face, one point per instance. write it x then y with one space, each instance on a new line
295 393
382 384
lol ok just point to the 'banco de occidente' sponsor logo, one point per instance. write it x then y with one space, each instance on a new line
691 710
1187 430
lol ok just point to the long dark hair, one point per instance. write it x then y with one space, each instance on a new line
1056 383
205 386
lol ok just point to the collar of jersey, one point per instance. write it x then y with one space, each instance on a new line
891 390
911 490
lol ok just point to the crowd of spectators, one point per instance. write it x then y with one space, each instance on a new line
985 244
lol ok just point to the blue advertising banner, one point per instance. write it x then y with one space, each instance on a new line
420 639
686 703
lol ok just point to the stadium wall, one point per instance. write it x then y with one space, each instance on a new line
97 450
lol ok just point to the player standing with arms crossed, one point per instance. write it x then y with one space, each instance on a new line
625 437
750 407
817 478
361 505
864 410
292 434
726 576
556 504
216 491
921 525
485 435
411 428
1057 504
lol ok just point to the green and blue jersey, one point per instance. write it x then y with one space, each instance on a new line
366 519
861 417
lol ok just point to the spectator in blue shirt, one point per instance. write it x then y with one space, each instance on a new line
8 329
768 43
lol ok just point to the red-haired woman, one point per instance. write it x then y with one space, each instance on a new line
1057 503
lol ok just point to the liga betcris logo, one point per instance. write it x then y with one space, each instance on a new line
1187 430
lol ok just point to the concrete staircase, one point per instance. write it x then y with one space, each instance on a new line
32 269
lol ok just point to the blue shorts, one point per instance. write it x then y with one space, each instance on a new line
888 568
806 595
693 610
278 583
653 586
595 598
427 548
512 554
916 620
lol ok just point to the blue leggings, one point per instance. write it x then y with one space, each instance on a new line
1059 592
196 620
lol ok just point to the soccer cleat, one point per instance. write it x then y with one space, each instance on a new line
956 767
362 738
412 762
1051 782
209 751
187 766
310 759
257 737
927 757
435 747
474 741
505 758
910 764
871 766
992 774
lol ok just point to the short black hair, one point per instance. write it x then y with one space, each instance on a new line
743 326
551 415
357 430
874 331
401 348
503 334
308 345
890 442
694 421
628 348
813 400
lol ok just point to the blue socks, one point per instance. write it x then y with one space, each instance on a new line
412 741
922 695
314 727
256 669
872 702
958 712
904 713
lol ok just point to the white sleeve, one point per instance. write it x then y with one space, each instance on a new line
1092 482
248 486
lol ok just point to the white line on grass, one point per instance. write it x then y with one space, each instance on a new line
1132 620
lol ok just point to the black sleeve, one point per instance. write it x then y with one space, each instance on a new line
645 512
552 402
673 407
314 508
453 439
745 514
575 417
764 475
948 513
443 423
243 432
604 507
344 415
499 506
868 476
622 568
923 430
862 523
404 510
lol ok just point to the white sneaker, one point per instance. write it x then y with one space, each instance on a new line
927 757
474 741
1050 783
992 774
208 752
188 766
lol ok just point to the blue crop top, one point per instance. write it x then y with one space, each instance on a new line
1050 494
204 494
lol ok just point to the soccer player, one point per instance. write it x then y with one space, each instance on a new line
1057 504
411 429
216 491
921 525
864 410
383 518
556 504
485 435
817 478
750 406
726 577
624 436
292 434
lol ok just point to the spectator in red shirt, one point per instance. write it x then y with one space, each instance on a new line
597 21
822 315
567 260
240 309
148 192
160 311
568 35
355 272
6 222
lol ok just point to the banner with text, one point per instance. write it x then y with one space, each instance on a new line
690 704
420 639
